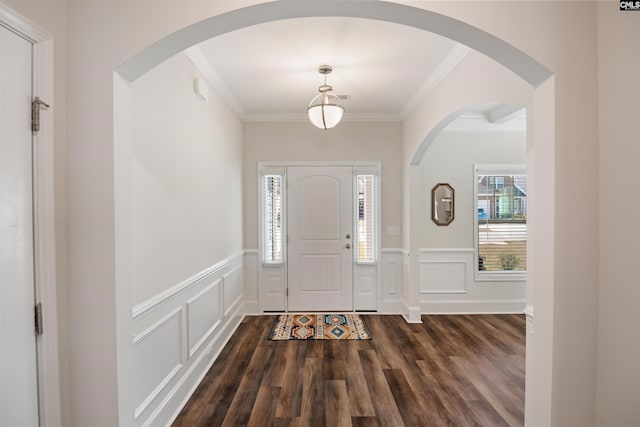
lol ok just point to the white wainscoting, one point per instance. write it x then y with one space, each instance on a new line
393 264
365 287
445 271
377 286
204 315
178 334
447 285
273 287
250 263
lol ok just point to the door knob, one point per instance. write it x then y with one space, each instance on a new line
348 246
348 236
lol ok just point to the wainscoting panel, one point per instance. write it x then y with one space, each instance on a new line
204 315
250 273
393 277
273 284
233 288
445 272
178 334
447 285
157 355
366 287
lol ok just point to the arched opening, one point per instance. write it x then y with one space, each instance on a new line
527 68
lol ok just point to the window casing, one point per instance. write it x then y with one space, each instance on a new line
501 222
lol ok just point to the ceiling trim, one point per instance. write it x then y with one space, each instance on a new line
456 54
302 117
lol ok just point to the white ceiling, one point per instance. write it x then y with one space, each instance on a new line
269 71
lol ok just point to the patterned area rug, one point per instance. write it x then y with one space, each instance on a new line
319 327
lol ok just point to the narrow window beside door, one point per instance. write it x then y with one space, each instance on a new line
365 186
272 205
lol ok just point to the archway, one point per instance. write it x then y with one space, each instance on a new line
510 57
517 61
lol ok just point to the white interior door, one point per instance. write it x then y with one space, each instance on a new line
18 374
320 260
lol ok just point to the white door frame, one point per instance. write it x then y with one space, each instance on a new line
43 216
274 276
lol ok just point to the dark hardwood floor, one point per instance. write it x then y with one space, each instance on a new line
464 370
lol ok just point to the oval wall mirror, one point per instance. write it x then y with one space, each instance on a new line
442 204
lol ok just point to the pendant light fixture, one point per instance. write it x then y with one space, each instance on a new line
325 110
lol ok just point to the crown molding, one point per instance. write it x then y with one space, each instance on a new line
197 57
16 23
302 117
456 54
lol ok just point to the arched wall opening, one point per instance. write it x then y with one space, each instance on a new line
466 144
529 70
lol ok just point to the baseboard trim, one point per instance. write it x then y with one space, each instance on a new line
412 314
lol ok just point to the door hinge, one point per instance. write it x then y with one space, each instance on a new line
287 292
36 105
38 318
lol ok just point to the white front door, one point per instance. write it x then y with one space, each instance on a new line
18 374
320 230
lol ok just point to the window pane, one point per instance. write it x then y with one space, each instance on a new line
272 218
366 220
502 222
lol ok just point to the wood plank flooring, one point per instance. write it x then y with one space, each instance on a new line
463 370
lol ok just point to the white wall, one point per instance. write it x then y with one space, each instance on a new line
447 254
619 293
178 190
349 141
186 179
450 159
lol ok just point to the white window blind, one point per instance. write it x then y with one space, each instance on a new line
365 218
502 222
272 226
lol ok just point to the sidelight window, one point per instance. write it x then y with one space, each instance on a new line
366 224
273 219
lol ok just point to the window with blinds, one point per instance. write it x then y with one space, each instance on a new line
365 188
501 201
272 208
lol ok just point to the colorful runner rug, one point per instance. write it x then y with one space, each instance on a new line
319 327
